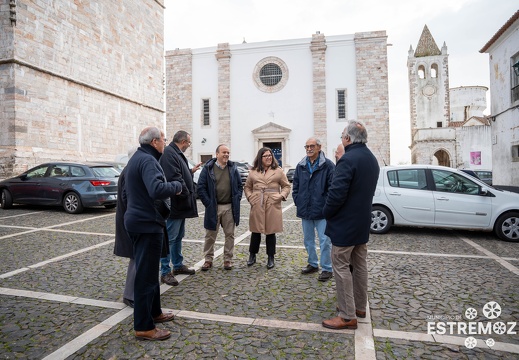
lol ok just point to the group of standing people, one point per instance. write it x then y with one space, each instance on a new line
157 193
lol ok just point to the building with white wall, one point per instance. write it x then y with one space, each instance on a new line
503 50
279 93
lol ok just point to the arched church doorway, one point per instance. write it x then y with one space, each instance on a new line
442 158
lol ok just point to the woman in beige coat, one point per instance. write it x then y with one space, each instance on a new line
266 187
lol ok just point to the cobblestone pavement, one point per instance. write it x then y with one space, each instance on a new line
61 291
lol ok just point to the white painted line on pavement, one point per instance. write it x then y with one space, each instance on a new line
427 254
493 256
24 214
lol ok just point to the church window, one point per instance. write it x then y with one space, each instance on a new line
270 74
341 104
206 120
421 72
434 70
514 81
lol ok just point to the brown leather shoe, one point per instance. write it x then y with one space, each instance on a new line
155 334
227 265
361 314
169 279
338 323
207 265
164 317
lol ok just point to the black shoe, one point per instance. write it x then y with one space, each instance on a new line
270 262
309 269
128 302
325 275
183 270
252 260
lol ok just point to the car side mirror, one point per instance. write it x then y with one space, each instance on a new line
24 177
483 192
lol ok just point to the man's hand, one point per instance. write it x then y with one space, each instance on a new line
196 167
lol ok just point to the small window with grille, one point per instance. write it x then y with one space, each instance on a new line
341 104
514 81
270 74
206 119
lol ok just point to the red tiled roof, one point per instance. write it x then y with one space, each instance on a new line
500 32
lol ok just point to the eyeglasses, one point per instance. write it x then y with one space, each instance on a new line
309 146
188 141
161 139
267 156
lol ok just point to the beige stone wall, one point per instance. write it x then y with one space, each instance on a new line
318 48
88 76
223 55
179 106
373 91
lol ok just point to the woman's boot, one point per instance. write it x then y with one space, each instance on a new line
252 259
270 262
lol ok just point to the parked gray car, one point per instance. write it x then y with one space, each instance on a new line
71 185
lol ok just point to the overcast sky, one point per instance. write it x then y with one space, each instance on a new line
464 25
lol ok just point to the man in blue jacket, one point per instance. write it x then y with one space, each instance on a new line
144 220
220 190
312 180
176 168
348 218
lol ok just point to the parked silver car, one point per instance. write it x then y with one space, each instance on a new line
442 197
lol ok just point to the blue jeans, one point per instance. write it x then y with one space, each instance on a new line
325 243
176 231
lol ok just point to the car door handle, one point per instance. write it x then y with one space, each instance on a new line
395 194
442 199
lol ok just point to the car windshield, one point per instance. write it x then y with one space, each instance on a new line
105 171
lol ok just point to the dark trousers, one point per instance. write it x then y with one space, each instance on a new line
255 240
146 251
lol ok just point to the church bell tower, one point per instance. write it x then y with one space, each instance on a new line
432 141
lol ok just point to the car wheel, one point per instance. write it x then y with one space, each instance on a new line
381 220
7 199
110 206
72 203
507 226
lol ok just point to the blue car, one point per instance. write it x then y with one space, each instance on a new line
71 185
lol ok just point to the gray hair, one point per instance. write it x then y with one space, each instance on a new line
180 136
317 141
148 134
356 131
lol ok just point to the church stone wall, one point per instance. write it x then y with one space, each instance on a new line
83 79
373 90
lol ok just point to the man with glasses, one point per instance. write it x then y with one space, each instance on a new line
312 180
145 188
176 168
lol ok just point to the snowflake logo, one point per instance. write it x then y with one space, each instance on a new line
491 310
490 342
499 328
471 342
471 313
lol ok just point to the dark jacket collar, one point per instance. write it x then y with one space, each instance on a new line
147 148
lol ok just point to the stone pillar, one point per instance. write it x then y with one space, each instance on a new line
318 49
373 91
179 87
223 56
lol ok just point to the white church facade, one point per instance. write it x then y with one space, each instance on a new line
278 94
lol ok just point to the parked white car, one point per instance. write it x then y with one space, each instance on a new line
442 197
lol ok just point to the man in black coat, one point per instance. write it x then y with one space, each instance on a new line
146 186
348 218
176 168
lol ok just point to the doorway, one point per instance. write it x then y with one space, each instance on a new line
276 150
